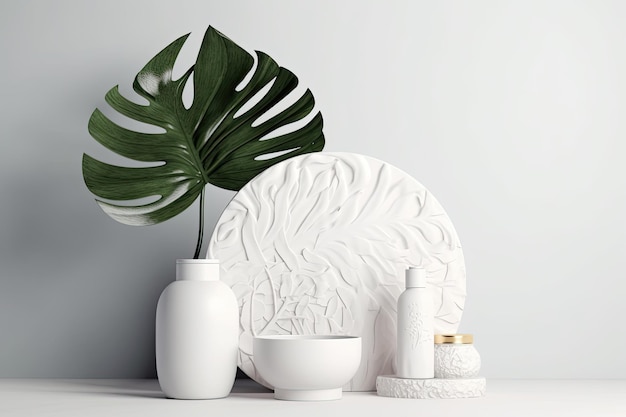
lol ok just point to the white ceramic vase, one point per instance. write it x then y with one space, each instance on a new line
197 332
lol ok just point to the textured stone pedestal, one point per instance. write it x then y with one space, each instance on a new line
392 386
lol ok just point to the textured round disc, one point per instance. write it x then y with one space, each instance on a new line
318 244
392 386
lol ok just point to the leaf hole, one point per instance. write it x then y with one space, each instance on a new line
290 127
273 155
188 93
128 123
134 202
127 91
255 99
248 77
187 55
281 106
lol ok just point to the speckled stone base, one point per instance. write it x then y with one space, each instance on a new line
392 386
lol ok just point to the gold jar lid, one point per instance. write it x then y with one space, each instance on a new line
441 339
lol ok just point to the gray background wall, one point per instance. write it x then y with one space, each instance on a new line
511 113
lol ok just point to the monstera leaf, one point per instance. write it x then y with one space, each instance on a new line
215 140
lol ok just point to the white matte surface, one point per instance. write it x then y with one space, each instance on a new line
510 112
307 368
319 244
197 323
431 388
415 351
131 398
455 360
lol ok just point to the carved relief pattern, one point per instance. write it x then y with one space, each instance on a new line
318 244
456 361
416 326
388 386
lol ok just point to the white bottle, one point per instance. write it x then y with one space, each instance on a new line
415 355
197 333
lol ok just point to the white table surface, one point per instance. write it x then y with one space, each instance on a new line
132 397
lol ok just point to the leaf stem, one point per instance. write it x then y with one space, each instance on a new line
200 226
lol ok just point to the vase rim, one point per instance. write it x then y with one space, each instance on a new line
197 261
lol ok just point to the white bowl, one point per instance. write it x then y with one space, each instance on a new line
307 368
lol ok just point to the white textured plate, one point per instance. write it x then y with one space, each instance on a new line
318 244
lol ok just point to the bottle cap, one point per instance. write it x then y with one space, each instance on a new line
445 339
415 277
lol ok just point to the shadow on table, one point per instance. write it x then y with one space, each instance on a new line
149 388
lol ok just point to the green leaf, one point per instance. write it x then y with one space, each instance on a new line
203 144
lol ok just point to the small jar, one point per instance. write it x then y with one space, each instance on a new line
456 356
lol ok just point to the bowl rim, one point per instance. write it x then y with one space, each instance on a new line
307 337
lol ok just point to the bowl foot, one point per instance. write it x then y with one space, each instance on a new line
308 395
